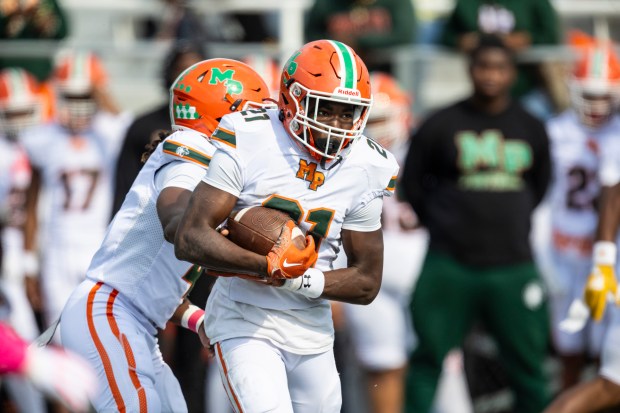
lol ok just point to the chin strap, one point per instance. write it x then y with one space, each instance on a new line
333 165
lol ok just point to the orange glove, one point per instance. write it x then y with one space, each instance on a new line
601 286
287 260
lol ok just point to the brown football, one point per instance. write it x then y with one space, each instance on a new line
258 228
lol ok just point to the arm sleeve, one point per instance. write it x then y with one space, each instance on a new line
179 174
224 173
365 219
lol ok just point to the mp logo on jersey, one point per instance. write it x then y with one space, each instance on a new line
233 87
307 172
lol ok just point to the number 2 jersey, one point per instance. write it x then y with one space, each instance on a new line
270 168
134 257
583 160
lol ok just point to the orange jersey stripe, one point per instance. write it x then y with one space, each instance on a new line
107 366
128 352
218 349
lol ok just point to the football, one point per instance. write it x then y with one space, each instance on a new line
258 228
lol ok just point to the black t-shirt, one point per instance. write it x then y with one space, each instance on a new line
129 161
474 180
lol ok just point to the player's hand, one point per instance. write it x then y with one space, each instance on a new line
62 375
286 259
601 287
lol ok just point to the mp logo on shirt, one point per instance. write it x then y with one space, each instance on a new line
489 162
307 172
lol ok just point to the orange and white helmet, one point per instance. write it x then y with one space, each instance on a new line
210 89
390 120
595 80
20 101
75 78
324 70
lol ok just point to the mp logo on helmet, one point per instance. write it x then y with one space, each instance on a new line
233 87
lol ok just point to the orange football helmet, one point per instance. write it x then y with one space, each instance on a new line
20 101
324 70
210 89
75 78
595 80
390 119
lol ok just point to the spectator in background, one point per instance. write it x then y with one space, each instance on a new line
31 20
182 55
520 24
474 173
368 26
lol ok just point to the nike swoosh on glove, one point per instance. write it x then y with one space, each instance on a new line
286 259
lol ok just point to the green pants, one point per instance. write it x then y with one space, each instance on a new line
510 301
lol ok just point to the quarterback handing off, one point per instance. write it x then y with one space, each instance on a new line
134 284
274 345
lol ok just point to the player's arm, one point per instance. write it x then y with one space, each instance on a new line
359 283
31 260
609 213
197 240
189 316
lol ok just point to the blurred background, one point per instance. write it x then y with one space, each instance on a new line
421 43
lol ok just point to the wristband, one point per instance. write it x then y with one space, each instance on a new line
310 284
604 253
192 318
30 263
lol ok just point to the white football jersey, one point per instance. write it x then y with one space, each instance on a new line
134 258
583 160
77 178
277 172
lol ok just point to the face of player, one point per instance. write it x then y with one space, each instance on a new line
331 115
15 121
492 73
76 111
596 109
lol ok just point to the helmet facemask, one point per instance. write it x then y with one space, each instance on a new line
14 121
594 101
323 140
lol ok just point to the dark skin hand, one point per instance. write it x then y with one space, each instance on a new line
197 241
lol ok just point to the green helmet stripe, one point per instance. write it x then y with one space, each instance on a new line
348 70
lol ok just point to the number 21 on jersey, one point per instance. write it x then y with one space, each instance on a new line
320 219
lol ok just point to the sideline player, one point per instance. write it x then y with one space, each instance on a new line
72 160
134 284
583 151
274 346
20 108
601 287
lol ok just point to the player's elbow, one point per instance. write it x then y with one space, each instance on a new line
368 292
182 245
